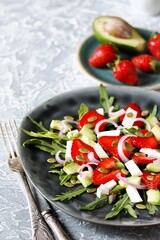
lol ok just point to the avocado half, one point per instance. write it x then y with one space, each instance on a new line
135 42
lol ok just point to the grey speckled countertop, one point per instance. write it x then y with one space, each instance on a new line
38 41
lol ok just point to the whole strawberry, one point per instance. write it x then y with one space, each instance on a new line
154 45
103 55
145 62
125 72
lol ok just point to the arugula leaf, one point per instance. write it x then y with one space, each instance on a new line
154 110
64 178
40 125
52 148
46 134
118 207
82 110
105 100
152 209
129 209
70 194
99 202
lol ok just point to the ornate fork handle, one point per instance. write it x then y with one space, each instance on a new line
40 230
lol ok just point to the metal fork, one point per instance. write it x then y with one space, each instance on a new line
9 132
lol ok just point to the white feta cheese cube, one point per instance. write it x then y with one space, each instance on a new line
99 150
100 111
109 133
68 150
133 168
129 118
133 194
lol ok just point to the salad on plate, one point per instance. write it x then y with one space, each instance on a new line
110 152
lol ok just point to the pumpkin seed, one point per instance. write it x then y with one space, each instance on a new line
129 114
68 184
80 158
91 190
102 170
144 113
148 134
150 178
51 160
140 206
92 119
115 143
128 146
83 150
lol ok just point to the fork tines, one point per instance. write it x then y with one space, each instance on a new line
9 132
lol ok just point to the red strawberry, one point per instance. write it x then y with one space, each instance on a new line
125 72
135 107
145 62
141 158
103 55
150 180
80 150
110 144
91 117
147 140
104 172
154 45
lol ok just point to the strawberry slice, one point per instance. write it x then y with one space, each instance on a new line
91 117
152 181
110 144
145 140
141 158
135 107
80 150
104 173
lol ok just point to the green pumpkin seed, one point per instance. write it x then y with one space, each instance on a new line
102 170
68 184
84 150
115 143
148 134
129 114
128 146
91 190
150 178
51 160
140 206
144 113
80 158
92 119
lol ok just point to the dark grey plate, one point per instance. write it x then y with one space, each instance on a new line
34 160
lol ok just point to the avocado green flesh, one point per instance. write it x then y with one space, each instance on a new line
136 42
153 196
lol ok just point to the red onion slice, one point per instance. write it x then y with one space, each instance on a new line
117 113
81 168
137 186
144 120
58 159
92 158
120 146
63 124
104 121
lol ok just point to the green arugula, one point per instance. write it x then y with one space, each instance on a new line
70 194
82 110
51 148
123 204
154 110
105 100
40 125
99 202
152 209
